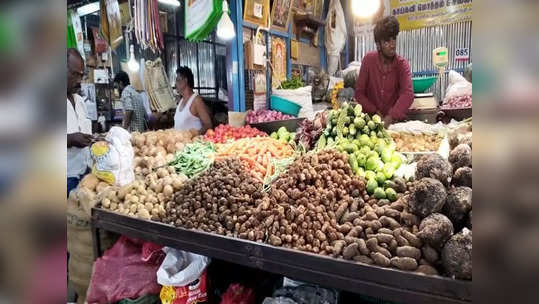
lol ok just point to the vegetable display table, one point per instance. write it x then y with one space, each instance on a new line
384 283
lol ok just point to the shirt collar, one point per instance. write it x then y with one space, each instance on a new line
380 65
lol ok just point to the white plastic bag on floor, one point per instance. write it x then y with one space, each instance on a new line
180 268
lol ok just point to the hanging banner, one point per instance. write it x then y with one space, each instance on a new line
413 14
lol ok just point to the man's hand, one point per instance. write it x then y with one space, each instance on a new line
387 121
79 140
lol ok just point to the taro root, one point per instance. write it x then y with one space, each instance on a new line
457 255
400 184
435 230
462 177
430 254
434 166
426 269
350 251
380 259
409 251
461 156
457 205
404 263
428 196
363 259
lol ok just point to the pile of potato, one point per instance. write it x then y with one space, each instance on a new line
156 148
145 198
155 181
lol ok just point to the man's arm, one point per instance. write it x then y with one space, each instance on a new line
361 88
406 93
128 111
126 121
203 114
79 140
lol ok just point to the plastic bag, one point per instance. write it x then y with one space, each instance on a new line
278 300
122 274
113 158
180 268
458 87
335 34
308 294
300 96
238 294
193 293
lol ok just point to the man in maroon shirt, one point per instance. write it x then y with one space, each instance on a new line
384 85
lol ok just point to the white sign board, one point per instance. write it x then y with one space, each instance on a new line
462 54
101 76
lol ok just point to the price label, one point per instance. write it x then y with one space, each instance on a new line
257 10
462 54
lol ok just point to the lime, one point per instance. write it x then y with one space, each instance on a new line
379 193
372 185
391 194
380 178
370 175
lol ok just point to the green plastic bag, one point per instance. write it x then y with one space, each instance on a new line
71 39
202 18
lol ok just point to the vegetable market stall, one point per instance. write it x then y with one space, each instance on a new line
325 206
390 284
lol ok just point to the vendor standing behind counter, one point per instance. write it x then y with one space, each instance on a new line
384 84
191 112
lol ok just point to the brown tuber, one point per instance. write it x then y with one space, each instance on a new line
428 196
458 205
338 247
461 156
404 263
350 251
435 230
426 269
430 254
363 259
457 255
434 166
462 177
409 251
380 260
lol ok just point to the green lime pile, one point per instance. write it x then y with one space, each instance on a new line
283 135
370 148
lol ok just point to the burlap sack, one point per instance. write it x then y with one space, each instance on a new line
79 240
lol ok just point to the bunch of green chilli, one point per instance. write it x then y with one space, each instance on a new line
194 159
293 83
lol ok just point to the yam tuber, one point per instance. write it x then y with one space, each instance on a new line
434 166
428 196
457 255
435 230
458 205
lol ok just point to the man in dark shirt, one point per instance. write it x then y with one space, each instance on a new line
384 85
